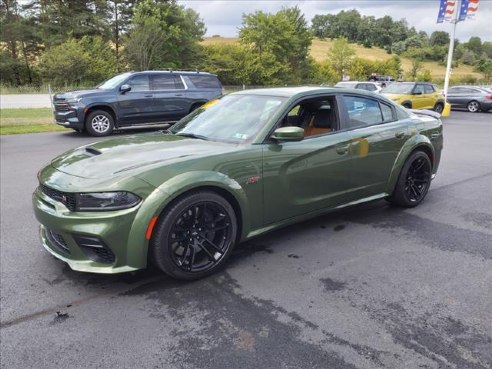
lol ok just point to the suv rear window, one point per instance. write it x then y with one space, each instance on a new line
202 81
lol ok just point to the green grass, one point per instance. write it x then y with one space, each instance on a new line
15 121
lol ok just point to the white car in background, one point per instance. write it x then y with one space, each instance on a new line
368 86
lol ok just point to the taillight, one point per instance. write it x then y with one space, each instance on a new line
488 97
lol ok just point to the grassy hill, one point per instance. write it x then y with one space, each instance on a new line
319 50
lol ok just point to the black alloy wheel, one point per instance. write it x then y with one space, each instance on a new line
195 237
414 181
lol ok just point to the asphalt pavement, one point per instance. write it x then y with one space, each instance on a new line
370 287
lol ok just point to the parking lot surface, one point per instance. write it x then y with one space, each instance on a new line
370 287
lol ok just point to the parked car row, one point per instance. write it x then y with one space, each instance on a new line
423 95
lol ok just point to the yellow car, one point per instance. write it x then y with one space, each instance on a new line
415 95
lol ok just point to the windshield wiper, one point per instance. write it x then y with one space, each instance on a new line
192 135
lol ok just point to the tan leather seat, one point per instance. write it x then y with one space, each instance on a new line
319 124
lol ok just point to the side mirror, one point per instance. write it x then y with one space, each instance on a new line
125 88
288 134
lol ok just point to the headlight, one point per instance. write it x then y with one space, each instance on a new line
73 100
103 201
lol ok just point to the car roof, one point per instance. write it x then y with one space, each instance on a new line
303 91
184 72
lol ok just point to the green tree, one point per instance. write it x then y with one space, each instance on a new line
340 56
89 60
439 38
474 44
280 41
484 66
163 34
415 69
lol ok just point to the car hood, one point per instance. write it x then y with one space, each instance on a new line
136 153
78 94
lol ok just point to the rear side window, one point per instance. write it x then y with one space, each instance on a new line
204 81
387 112
362 112
162 82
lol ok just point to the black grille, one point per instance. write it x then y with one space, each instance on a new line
57 242
95 249
61 106
67 199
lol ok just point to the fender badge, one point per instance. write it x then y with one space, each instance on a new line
252 180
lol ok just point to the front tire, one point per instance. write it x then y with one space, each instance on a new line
473 106
407 105
439 107
195 236
413 182
99 123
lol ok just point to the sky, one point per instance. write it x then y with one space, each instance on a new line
223 17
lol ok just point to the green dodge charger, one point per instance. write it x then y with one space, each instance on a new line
237 167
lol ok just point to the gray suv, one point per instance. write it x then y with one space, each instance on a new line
135 98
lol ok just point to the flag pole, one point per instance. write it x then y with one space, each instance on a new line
451 49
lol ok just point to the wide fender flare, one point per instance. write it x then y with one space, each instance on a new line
410 145
168 191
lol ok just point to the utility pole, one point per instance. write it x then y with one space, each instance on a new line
451 49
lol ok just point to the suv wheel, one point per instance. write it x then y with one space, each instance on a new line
99 123
407 105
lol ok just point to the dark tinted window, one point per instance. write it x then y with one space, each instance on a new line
204 81
139 83
178 82
162 82
362 111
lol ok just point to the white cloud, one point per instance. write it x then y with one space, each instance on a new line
225 17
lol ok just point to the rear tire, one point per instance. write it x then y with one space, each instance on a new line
473 106
195 236
413 182
407 105
99 123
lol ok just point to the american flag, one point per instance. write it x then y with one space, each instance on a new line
468 9
446 10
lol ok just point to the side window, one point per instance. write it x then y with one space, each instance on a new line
428 89
139 83
387 112
204 81
370 87
162 82
419 88
362 111
178 82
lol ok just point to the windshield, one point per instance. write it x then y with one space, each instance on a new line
113 82
399 88
234 118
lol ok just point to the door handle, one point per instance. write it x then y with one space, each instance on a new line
148 95
342 150
177 95
400 134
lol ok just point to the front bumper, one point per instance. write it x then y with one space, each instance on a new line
62 229
68 118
